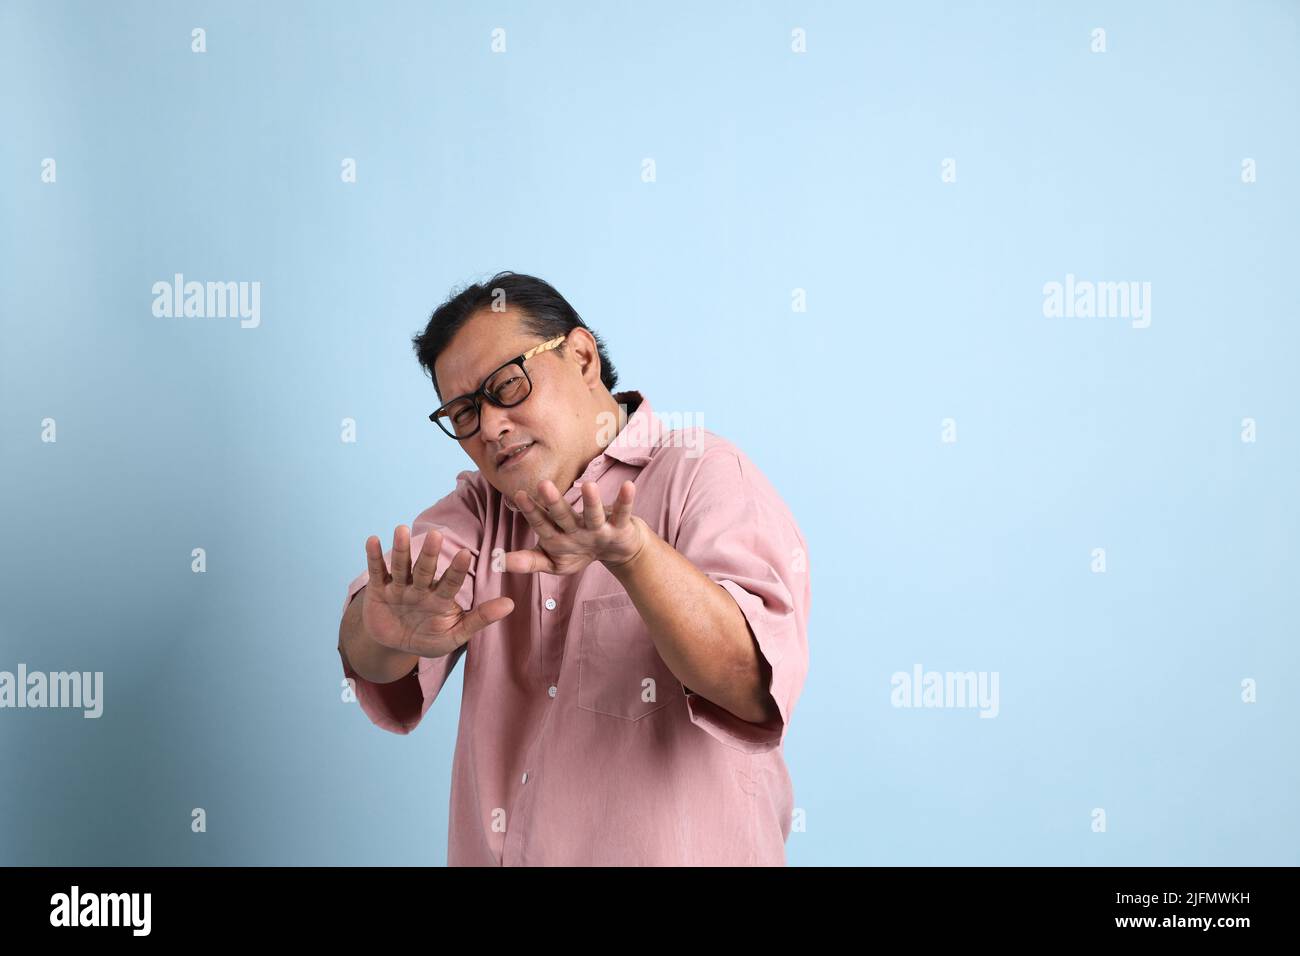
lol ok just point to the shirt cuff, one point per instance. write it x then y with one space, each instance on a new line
725 726
397 706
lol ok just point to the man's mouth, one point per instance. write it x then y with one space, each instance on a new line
511 455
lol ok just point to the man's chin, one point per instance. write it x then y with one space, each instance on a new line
525 480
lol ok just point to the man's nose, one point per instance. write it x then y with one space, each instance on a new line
494 422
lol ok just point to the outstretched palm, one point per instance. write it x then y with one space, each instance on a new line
411 611
567 542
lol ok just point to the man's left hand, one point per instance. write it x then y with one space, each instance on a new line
567 542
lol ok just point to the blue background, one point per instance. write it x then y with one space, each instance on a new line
775 171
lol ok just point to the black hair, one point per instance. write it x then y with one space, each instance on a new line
542 311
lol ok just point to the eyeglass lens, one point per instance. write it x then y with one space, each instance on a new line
508 386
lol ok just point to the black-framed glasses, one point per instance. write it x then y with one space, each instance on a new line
506 387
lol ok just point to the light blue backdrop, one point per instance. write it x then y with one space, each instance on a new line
775 171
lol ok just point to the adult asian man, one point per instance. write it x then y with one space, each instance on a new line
631 604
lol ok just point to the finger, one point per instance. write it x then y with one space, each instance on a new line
426 567
557 507
402 554
489 612
448 585
622 513
375 562
593 509
528 562
536 515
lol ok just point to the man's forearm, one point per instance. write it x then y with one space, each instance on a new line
698 629
371 660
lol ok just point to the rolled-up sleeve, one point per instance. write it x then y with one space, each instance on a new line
400 705
737 530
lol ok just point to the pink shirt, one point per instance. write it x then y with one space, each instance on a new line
577 746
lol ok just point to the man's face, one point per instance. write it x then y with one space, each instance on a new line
558 419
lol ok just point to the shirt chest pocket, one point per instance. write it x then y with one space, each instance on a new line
620 672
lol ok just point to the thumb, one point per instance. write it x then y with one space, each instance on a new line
489 612
529 562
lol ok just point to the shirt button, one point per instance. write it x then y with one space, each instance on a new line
525 780
551 690
550 604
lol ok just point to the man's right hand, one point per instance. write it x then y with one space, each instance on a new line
411 612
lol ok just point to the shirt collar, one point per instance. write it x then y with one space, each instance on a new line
633 445
640 433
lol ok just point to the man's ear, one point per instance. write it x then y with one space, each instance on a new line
584 350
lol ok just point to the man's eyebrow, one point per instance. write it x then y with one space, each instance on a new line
454 395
